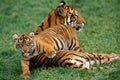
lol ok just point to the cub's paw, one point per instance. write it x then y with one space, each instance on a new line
25 75
51 55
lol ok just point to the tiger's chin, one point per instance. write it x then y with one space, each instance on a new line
79 29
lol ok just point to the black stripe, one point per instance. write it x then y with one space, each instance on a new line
55 18
108 59
38 61
68 64
61 63
74 44
31 64
96 57
77 48
48 63
49 20
99 58
34 62
62 44
43 61
58 11
71 44
38 47
77 55
56 43
56 60
81 65
41 26
90 57
79 60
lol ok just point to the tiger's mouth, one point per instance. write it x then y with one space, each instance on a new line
25 53
78 27
28 53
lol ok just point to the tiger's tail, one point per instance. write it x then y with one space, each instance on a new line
86 60
109 57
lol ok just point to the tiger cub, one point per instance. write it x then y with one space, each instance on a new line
62 14
56 38
74 59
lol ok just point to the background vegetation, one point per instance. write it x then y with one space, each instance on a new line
101 34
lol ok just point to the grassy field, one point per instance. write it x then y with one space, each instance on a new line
101 34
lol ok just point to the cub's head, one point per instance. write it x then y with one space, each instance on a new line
24 43
71 15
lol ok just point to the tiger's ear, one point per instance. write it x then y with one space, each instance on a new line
62 3
15 36
31 34
61 11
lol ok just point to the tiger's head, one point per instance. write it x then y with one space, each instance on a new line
71 16
25 44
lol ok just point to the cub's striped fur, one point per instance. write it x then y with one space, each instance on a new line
56 38
63 14
72 59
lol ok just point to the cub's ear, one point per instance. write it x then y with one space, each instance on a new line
62 3
31 34
15 36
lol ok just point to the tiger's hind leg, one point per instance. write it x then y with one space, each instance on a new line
76 47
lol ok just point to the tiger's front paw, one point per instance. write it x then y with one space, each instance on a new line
51 54
25 75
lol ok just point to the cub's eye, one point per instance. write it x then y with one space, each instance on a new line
28 43
18 46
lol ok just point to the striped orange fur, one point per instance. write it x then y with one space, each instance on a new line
62 14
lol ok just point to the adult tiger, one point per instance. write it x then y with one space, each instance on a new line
74 59
63 14
56 38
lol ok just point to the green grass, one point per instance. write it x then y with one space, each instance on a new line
101 34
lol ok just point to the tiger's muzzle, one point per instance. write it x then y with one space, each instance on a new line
77 27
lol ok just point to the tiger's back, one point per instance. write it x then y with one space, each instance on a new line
61 37
61 31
